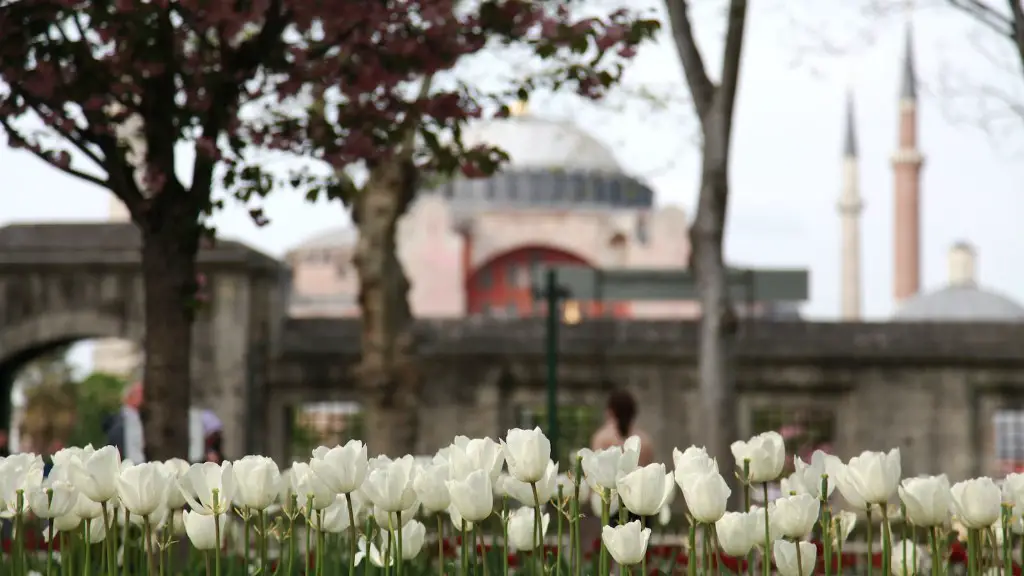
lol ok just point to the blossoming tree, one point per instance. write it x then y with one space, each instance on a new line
401 135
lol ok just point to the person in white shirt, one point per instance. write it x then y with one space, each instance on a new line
126 431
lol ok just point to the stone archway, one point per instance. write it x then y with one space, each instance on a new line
33 337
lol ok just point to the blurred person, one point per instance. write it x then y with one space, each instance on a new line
213 437
124 429
619 425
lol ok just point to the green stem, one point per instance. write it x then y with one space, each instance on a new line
871 552
538 534
826 522
605 513
691 561
147 530
291 533
886 542
309 534
504 533
464 550
399 559
558 520
320 543
216 535
1007 539
247 537
746 508
440 546
108 552
575 523
717 548
88 546
49 549
933 540
766 557
264 542
973 542
799 559
355 536
643 561
482 550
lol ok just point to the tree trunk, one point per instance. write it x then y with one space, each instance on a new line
170 245
718 320
387 374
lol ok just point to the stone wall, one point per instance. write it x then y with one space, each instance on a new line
61 283
930 389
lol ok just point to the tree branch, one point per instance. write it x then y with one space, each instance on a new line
701 87
12 134
1018 27
731 62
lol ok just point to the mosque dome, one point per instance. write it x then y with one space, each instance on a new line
536 143
330 238
962 300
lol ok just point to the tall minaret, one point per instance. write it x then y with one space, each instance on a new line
906 165
850 207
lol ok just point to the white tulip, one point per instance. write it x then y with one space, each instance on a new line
143 488
391 486
527 453
795 516
414 534
738 532
523 492
66 523
460 523
842 525
473 497
793 561
389 520
374 554
766 453
927 499
792 485
310 489
645 490
873 477
202 530
95 474
810 474
52 499
343 468
977 503
522 529
336 516
486 454
431 489
693 461
208 488
1013 488
19 473
773 526
176 469
626 543
706 496
602 469
257 482
903 557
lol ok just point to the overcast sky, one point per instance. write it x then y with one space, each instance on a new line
786 155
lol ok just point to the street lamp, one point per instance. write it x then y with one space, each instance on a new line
553 295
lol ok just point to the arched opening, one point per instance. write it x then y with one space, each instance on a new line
52 394
502 287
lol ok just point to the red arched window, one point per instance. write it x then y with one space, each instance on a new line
502 285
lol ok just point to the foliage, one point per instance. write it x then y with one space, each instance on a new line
98 397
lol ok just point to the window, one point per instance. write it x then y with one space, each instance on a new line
1008 429
485 278
615 192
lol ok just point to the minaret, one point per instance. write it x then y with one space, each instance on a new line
906 165
850 207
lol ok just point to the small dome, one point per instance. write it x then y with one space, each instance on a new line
537 143
330 238
960 304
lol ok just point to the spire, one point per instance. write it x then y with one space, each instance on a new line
908 87
850 144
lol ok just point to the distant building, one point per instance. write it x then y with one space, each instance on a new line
469 246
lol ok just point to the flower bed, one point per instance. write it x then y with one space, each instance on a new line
480 507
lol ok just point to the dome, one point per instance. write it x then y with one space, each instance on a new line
535 143
960 304
330 238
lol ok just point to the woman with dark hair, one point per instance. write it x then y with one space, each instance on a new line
619 424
